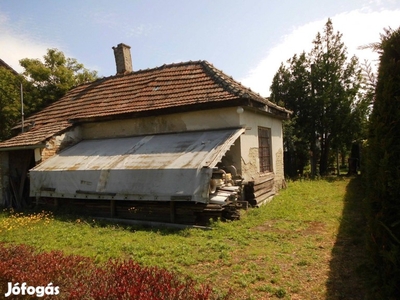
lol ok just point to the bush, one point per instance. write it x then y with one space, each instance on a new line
80 278
383 172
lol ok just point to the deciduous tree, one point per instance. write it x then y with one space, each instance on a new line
43 83
10 103
50 79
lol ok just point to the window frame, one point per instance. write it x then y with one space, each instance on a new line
265 149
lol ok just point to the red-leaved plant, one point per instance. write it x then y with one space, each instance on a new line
80 278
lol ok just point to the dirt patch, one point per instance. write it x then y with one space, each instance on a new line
314 227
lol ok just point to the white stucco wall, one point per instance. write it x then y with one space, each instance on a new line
249 144
189 121
243 154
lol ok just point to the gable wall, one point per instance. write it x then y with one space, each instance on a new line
249 146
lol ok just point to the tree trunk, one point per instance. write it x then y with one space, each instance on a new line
337 163
323 163
343 155
313 160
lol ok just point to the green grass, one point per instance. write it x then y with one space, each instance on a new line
287 249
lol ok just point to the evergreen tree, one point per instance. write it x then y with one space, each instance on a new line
291 89
322 88
336 82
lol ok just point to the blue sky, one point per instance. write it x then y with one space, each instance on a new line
246 39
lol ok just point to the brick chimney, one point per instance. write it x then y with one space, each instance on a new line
123 59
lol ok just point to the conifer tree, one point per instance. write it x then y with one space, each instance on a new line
321 88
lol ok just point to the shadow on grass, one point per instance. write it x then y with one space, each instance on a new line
349 270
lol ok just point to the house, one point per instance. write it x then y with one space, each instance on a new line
171 143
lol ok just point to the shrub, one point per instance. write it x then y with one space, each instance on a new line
80 278
382 169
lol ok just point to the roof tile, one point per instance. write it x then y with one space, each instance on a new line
36 135
168 86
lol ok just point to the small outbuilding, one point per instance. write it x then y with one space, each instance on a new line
177 143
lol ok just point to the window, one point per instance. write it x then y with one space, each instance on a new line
264 149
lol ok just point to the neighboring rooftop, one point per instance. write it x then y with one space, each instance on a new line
5 65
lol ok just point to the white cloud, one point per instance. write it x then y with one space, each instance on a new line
359 28
17 45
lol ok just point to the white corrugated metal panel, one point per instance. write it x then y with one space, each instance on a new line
153 167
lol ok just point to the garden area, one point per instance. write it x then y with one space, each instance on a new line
307 243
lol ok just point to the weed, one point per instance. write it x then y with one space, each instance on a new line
302 263
280 293
266 288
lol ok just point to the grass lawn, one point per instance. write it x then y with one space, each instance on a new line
307 243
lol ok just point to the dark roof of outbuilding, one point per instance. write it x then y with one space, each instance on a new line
175 87
5 65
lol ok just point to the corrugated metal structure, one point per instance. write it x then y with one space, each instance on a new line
162 167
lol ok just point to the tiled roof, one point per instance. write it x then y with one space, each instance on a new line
169 86
36 135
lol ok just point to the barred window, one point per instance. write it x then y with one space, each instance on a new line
264 149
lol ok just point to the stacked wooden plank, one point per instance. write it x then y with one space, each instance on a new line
260 189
